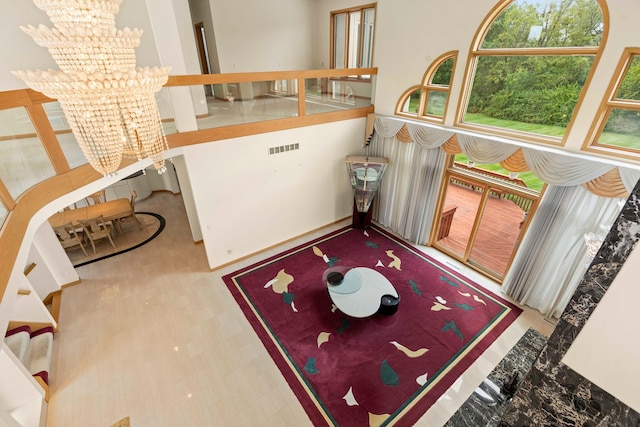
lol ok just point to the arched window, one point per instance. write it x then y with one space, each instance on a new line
429 100
617 129
529 65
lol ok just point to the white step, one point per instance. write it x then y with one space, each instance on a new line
19 344
38 359
33 348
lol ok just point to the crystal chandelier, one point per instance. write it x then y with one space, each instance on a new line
108 101
593 241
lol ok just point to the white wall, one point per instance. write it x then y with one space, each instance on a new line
201 12
248 200
20 52
134 14
264 35
175 43
24 399
53 267
607 349
167 181
323 28
187 197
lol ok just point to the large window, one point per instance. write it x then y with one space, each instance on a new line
618 129
529 67
352 37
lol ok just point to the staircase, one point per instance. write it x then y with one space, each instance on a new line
34 349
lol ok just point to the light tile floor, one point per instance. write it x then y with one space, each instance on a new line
154 335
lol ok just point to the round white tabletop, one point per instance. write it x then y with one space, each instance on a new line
363 289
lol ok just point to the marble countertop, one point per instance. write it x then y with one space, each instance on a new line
475 412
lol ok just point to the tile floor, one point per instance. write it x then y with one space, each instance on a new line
154 335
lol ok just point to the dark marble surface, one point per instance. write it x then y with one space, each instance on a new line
474 412
555 395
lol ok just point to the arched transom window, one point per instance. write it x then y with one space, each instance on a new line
429 99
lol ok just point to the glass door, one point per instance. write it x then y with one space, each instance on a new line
461 207
481 223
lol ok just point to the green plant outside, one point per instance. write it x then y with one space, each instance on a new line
414 102
620 140
616 139
481 119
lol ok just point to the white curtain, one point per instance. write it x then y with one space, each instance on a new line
408 193
484 151
629 178
552 257
563 170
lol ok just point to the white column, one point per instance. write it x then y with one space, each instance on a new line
53 267
187 196
175 42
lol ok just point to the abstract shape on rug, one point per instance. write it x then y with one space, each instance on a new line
122 423
377 370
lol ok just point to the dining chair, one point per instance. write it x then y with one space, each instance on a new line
95 198
96 229
68 237
132 215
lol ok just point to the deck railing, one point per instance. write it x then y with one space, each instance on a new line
524 203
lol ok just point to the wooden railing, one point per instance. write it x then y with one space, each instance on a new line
66 179
524 203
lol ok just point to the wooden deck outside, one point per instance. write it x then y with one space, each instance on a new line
498 232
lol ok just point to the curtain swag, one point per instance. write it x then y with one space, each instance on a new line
556 169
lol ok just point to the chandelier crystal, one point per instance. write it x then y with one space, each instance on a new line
108 101
593 241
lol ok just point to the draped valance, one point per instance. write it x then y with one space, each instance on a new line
599 178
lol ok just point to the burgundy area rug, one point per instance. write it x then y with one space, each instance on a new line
379 370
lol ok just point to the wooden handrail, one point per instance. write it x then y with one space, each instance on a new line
21 210
209 79
493 174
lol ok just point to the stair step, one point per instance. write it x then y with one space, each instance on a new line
33 348
18 341
40 351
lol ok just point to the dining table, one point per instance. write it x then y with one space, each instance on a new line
111 210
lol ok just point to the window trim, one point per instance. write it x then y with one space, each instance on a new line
608 104
361 10
426 86
403 99
476 52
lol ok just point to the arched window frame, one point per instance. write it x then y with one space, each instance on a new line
426 87
405 96
610 103
476 52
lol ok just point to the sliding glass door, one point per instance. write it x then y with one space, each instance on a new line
481 222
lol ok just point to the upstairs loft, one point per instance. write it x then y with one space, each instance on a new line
43 161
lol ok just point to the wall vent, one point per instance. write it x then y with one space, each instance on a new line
283 148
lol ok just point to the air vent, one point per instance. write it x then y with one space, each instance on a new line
283 148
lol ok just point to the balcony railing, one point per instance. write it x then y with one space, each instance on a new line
40 160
